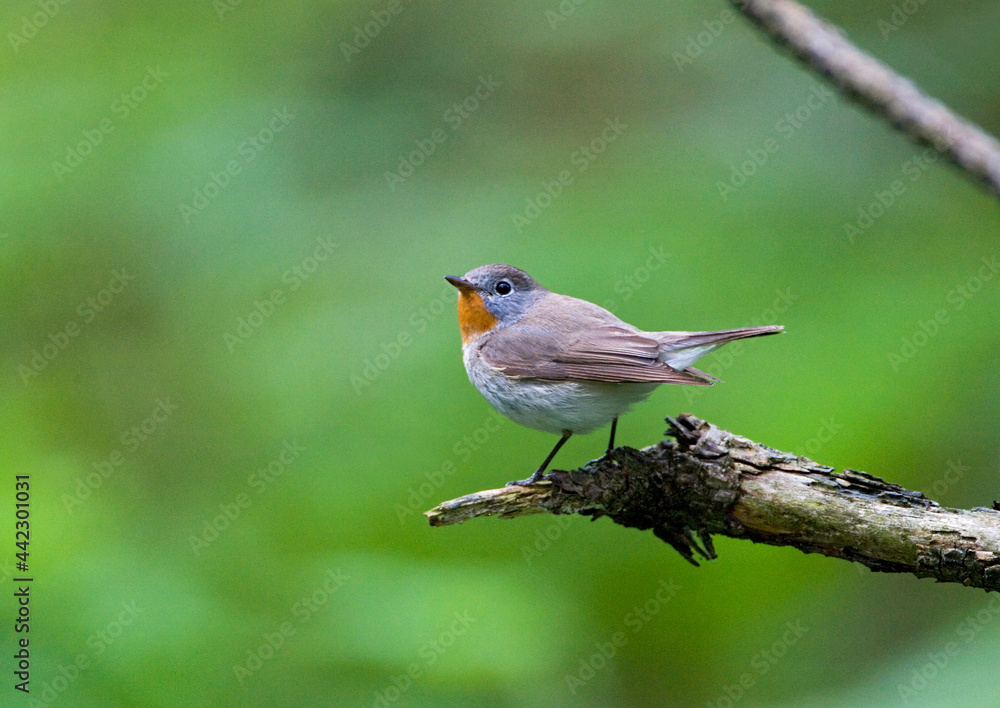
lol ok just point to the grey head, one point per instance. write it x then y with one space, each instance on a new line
507 292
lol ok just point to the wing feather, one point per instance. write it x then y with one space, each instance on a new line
608 353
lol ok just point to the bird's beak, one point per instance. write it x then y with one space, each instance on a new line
463 285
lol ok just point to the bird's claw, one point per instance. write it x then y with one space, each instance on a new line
525 482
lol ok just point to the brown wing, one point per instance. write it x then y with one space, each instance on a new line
607 353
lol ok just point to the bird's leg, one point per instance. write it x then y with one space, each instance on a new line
541 470
611 442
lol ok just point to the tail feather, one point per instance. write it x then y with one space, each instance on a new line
673 341
681 349
702 374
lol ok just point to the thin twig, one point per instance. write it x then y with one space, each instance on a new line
824 48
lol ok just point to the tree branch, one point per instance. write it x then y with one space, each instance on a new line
825 49
711 481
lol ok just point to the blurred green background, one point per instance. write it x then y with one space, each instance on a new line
233 372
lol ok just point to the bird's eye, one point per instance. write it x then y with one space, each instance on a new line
503 287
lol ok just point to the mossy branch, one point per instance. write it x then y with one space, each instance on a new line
710 481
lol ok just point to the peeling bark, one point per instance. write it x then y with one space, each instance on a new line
710 481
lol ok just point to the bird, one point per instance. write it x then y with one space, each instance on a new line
563 365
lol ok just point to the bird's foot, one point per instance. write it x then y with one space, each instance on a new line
608 456
529 481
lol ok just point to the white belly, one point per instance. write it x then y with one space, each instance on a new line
554 406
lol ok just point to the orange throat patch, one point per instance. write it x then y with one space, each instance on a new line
473 317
